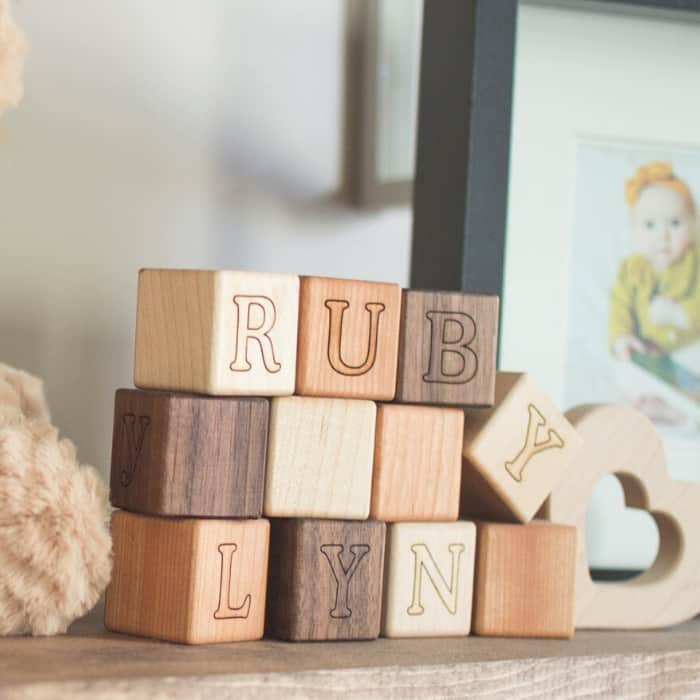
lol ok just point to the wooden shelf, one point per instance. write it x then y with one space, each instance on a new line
92 663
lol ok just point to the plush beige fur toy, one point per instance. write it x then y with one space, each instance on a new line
55 545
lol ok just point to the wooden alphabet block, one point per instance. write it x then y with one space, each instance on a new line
185 580
319 461
428 579
524 583
216 332
417 463
180 454
325 579
348 338
447 348
514 453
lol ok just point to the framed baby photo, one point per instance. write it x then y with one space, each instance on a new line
570 185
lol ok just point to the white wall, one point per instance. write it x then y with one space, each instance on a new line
158 133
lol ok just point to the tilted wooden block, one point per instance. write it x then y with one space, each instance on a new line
428 579
524 582
186 580
179 454
417 463
348 338
215 332
619 440
325 579
447 349
515 453
319 461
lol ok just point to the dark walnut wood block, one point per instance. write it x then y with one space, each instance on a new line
325 579
181 454
447 348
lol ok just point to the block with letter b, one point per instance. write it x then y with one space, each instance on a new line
325 579
187 580
217 332
428 579
515 453
447 349
348 338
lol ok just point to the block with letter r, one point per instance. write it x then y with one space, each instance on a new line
447 348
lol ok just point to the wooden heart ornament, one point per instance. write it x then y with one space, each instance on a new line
623 442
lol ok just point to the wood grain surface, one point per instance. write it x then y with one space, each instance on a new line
93 664
325 579
186 580
619 440
320 458
417 463
524 580
179 454
216 332
428 579
447 348
348 338
515 453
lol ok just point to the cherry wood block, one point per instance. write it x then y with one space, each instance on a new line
428 579
179 454
325 579
217 332
447 348
417 463
515 453
619 440
348 338
187 580
319 461
524 581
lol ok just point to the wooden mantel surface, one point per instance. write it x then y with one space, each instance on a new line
92 663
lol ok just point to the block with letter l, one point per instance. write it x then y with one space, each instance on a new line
325 579
217 332
428 579
447 348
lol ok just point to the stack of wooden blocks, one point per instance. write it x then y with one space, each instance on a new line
399 471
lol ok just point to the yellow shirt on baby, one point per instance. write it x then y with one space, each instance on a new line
638 283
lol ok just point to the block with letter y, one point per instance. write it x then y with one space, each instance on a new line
217 332
428 579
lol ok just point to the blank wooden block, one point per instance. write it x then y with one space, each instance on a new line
524 582
348 338
178 454
428 579
319 461
325 579
216 332
447 349
515 453
186 580
417 463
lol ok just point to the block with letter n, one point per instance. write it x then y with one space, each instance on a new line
447 348
429 579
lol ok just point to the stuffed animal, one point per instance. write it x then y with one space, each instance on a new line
55 546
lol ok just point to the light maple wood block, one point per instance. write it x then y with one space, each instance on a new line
217 332
428 579
348 338
325 579
417 463
621 441
319 462
186 580
515 453
447 349
524 580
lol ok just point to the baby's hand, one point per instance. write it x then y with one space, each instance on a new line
626 345
666 312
